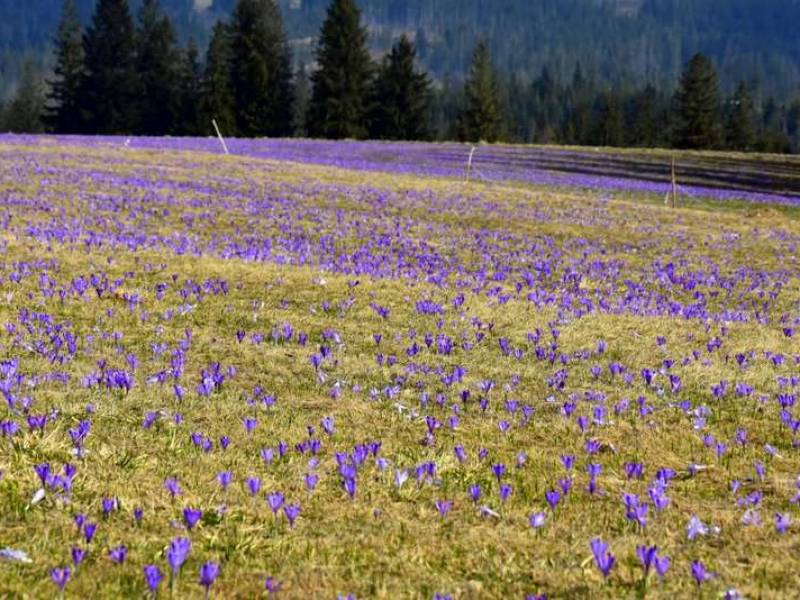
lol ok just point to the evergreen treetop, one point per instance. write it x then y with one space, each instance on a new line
261 74
157 66
109 89
63 114
340 85
741 124
216 88
697 105
481 119
401 96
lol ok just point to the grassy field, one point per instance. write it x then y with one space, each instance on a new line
388 386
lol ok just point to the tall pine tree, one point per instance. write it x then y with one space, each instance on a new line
546 108
157 63
481 118
741 124
217 101
188 93
578 127
261 72
772 136
25 112
793 126
401 97
647 126
109 89
341 83
302 95
697 104
611 122
63 114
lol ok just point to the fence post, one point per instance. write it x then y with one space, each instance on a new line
219 135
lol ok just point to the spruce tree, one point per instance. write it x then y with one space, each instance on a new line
340 86
302 95
401 97
188 93
578 129
772 136
157 64
741 126
697 103
793 126
546 109
63 115
517 107
611 123
109 89
646 125
217 101
261 72
481 118
25 112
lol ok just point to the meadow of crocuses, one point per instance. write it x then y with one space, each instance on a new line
272 374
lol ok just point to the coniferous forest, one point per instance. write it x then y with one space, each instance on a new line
127 73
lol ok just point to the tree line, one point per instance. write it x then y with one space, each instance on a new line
126 75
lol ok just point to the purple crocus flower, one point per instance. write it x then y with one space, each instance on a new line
499 470
177 552
349 484
695 527
699 573
191 516
224 478
444 506
647 556
782 522
249 424
537 520
400 477
661 564
275 501
553 497
505 492
209 571
311 480
475 492
89 531
78 554
172 486
272 586
253 485
634 470
109 505
292 511
118 554
60 577
153 577
602 557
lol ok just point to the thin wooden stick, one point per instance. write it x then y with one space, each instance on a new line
469 163
219 135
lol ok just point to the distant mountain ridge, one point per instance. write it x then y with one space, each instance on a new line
632 41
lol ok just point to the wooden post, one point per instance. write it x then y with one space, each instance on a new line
219 135
469 164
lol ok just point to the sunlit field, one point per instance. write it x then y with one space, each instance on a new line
300 371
